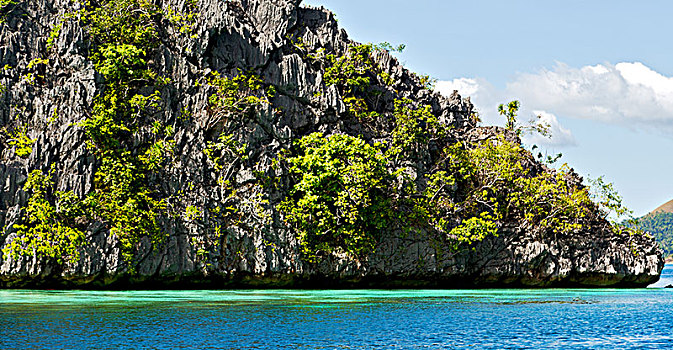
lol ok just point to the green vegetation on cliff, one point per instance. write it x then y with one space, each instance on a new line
50 231
401 168
123 35
349 192
343 195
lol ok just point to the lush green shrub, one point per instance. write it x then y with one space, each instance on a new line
48 231
123 22
22 143
548 203
121 64
496 186
353 74
415 127
123 201
237 100
342 197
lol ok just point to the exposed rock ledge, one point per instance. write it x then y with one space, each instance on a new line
261 252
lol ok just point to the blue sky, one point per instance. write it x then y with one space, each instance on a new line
599 72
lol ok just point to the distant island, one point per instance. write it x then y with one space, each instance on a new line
659 223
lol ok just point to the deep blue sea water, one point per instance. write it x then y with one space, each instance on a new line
360 319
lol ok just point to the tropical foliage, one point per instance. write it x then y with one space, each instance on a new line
348 192
124 34
49 231
660 226
342 196
344 192
22 143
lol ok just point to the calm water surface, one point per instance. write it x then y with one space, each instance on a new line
363 319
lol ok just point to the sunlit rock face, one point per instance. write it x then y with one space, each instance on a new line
259 250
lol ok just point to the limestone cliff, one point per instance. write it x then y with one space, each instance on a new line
276 39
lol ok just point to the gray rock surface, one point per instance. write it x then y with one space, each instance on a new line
260 251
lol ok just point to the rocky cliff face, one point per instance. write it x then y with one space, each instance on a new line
50 100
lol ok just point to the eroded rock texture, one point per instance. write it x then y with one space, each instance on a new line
259 251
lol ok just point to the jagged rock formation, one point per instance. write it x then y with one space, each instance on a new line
259 250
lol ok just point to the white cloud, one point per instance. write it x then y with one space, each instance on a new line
638 74
627 93
465 86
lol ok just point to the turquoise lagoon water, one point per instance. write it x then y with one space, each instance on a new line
343 319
